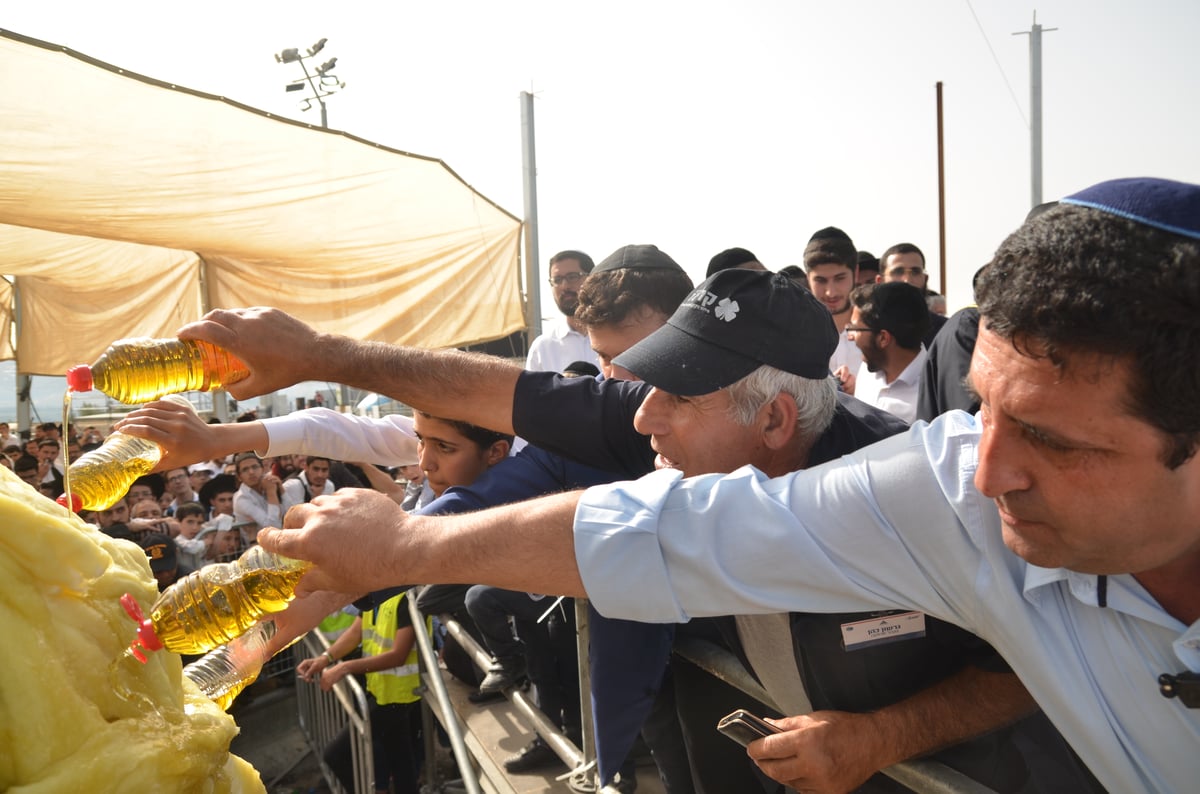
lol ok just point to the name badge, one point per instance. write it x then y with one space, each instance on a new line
879 631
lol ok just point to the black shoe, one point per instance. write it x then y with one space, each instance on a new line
504 673
535 755
480 698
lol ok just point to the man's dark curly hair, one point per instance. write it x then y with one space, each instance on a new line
1076 280
610 296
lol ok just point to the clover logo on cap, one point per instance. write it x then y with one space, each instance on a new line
727 310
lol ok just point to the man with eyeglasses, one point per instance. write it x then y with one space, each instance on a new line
905 262
887 323
179 485
565 340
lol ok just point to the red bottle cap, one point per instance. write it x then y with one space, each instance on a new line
76 502
79 378
146 638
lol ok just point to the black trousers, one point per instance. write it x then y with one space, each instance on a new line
395 745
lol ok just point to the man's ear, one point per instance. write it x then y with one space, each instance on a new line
497 452
778 421
884 339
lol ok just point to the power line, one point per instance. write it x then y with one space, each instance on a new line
1004 76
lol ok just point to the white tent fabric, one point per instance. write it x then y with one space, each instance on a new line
128 206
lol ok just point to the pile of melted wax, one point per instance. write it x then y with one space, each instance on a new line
77 712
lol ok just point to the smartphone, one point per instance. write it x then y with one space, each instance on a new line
743 727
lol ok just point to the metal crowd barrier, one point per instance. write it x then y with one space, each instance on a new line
563 747
431 674
483 772
282 666
323 715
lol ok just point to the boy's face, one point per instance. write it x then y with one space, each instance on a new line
224 543
222 504
189 526
448 457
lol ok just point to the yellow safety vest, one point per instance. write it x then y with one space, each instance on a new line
396 684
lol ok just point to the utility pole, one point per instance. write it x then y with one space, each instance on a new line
1035 107
941 179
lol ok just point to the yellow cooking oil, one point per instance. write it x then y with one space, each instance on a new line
101 477
223 673
220 602
144 369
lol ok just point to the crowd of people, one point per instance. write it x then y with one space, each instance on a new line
998 590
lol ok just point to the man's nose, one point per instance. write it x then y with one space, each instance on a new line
650 419
1001 469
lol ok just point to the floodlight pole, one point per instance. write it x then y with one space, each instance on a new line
529 178
325 70
316 94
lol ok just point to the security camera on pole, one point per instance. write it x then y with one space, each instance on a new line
322 81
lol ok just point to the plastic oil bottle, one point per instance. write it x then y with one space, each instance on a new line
97 479
223 673
140 370
216 604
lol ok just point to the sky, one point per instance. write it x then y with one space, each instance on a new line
702 125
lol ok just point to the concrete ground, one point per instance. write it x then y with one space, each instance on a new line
271 740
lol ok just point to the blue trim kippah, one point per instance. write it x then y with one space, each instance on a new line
1162 203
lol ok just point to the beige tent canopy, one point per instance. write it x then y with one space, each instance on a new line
129 206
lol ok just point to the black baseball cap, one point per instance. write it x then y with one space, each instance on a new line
729 326
161 551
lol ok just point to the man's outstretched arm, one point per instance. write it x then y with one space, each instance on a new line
186 438
361 540
281 351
